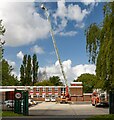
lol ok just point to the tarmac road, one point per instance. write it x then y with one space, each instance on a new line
56 111
53 109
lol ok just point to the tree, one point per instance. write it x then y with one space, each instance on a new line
26 71
89 82
23 70
44 83
2 31
35 69
7 78
22 77
100 47
55 80
29 71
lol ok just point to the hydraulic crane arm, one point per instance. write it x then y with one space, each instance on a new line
54 43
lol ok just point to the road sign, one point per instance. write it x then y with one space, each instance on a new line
18 95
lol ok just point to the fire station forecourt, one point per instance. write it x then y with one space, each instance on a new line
57 111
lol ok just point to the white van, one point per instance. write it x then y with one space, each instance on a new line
47 99
53 99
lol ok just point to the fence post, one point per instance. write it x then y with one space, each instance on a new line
111 102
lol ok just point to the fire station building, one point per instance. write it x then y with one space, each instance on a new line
41 92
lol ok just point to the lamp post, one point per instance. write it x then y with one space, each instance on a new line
54 43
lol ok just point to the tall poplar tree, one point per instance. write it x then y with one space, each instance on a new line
100 46
29 71
35 69
23 70
22 77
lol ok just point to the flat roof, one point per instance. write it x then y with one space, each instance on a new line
75 86
5 90
76 83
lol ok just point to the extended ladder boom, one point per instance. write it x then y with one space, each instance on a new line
56 50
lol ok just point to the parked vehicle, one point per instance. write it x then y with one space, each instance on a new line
99 98
9 103
47 99
32 102
53 99
63 99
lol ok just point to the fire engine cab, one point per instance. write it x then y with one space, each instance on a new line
99 98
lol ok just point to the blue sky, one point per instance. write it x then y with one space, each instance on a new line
28 33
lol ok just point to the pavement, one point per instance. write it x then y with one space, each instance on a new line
57 111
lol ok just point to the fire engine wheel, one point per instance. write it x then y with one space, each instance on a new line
93 104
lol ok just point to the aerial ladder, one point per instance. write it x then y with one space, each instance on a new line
66 95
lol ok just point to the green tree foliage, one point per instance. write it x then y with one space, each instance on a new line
53 81
26 71
23 71
35 69
2 29
100 46
89 82
22 75
29 70
7 78
44 83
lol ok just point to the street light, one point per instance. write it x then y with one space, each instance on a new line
54 43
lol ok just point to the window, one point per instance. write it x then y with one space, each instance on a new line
35 96
56 89
37 90
49 89
63 90
43 96
44 89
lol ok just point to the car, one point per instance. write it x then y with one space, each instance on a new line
47 99
31 102
53 99
10 103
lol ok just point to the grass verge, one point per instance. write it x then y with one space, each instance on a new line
102 117
9 113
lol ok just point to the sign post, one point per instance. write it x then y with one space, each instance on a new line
17 103
25 103
20 97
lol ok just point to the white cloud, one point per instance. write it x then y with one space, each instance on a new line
20 55
71 33
38 50
88 2
80 25
71 72
12 63
23 25
76 13
62 10
64 14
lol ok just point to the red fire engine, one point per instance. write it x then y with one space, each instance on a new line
99 98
